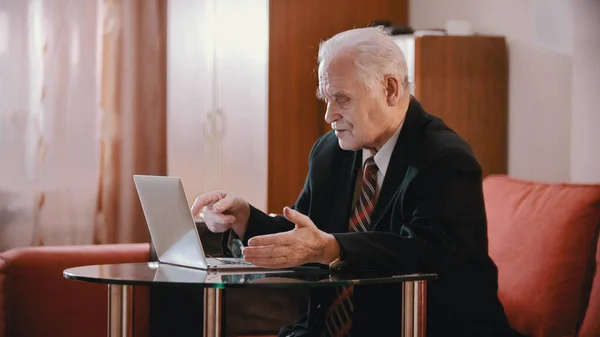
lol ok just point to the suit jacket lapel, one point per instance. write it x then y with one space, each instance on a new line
344 192
398 162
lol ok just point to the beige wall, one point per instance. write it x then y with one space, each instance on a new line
552 107
585 108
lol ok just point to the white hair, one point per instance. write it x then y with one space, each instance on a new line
376 55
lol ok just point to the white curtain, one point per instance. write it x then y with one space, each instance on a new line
82 109
48 122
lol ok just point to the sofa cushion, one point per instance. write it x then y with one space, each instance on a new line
36 300
542 237
591 322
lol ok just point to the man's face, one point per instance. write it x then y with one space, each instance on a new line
357 115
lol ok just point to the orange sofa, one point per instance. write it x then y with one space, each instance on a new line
543 237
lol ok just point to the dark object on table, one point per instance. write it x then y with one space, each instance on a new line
400 29
377 23
392 29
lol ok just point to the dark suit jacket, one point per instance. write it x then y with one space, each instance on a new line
429 217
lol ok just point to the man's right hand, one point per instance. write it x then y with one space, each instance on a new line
221 211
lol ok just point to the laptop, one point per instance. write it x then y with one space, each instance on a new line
172 228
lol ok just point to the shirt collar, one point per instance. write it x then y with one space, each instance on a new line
383 156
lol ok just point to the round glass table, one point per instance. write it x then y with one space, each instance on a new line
120 279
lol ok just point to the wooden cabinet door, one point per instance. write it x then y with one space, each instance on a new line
464 81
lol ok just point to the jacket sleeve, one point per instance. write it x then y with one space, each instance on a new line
447 222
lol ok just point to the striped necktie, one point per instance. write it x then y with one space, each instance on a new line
338 319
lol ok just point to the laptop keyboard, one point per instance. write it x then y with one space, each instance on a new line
230 261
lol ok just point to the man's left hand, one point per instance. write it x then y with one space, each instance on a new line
304 244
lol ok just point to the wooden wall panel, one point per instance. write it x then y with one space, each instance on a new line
295 115
464 81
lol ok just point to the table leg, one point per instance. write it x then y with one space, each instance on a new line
214 308
414 308
120 310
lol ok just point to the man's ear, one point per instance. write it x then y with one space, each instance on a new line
392 90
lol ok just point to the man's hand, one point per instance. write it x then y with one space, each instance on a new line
304 244
221 211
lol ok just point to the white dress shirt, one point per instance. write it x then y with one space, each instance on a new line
382 158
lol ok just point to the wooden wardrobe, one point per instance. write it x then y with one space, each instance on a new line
464 81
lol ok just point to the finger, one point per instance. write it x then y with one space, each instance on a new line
218 228
212 218
296 217
225 204
205 200
278 239
265 262
266 251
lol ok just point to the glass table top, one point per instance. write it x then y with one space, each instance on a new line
153 273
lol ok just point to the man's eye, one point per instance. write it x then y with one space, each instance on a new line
342 100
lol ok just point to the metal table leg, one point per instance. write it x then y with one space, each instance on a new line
214 308
120 310
414 308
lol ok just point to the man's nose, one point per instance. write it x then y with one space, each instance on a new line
330 115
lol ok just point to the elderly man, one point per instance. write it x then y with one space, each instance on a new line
390 189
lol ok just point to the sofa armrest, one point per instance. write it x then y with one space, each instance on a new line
36 300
